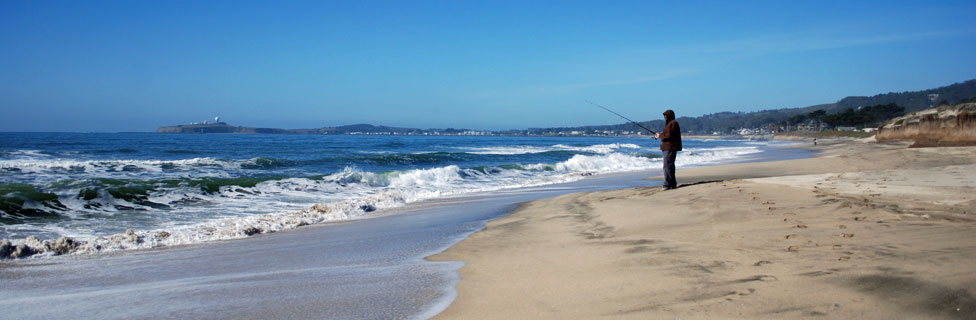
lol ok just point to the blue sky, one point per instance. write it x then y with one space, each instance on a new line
135 65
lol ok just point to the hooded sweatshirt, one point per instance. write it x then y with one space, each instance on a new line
671 135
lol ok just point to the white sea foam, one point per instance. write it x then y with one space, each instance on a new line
27 154
607 164
46 170
507 150
112 167
515 150
599 148
697 157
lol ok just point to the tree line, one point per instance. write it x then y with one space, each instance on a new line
869 116
865 116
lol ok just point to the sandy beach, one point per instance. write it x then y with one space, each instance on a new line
863 230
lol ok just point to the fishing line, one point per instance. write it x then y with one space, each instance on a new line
625 118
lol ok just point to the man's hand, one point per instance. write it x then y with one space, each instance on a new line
657 135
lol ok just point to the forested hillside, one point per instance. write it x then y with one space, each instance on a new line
843 112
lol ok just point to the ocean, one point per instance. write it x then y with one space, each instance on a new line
120 191
333 227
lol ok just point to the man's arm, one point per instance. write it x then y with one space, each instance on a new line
666 133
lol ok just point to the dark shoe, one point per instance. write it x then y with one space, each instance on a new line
666 188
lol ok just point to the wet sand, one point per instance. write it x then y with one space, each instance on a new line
863 231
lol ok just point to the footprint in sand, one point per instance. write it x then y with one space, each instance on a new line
800 226
761 277
790 236
824 310
847 235
846 256
751 291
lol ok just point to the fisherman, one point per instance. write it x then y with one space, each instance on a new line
670 145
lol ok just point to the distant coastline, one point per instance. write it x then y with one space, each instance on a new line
368 129
355 129
219 127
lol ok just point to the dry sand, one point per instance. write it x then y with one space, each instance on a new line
864 231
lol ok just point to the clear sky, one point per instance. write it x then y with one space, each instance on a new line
135 65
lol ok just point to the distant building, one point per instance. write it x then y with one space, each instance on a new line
812 125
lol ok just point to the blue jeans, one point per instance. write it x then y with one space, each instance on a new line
669 180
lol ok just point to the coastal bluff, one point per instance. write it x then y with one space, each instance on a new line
953 125
219 127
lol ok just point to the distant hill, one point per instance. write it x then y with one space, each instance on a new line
912 100
727 121
219 127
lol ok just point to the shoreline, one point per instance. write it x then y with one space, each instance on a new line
862 230
49 242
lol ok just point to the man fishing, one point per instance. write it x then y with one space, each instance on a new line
670 145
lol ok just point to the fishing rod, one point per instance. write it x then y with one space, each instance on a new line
625 118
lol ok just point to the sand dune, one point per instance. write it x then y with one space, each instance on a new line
864 231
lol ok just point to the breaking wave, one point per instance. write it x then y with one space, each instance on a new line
515 150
